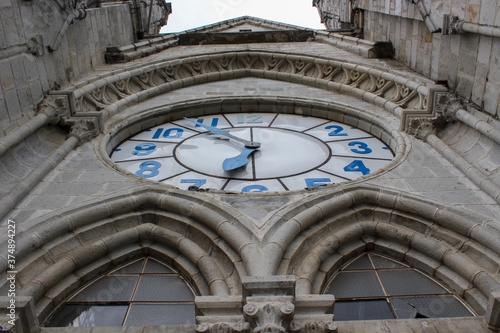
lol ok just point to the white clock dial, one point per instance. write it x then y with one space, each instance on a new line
251 152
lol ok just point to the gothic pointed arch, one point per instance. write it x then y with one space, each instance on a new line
315 238
197 238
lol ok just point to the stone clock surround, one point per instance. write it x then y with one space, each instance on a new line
349 115
222 249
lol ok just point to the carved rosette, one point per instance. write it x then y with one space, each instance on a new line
269 317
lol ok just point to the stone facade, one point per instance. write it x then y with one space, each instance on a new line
466 61
259 262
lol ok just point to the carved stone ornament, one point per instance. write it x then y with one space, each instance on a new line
83 128
421 128
165 76
313 327
447 105
56 106
223 328
452 25
35 45
269 317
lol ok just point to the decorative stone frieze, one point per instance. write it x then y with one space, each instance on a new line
313 327
223 328
384 89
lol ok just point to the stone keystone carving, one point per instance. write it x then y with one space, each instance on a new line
269 316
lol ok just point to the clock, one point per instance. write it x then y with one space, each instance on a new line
252 152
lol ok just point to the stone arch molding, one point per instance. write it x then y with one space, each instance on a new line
196 236
215 246
314 238
105 97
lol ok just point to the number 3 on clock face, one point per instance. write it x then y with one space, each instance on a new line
289 152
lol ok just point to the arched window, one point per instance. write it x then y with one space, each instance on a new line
144 292
375 287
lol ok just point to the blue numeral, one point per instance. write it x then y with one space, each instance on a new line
311 182
336 131
215 121
148 169
361 145
358 166
168 133
254 188
195 182
144 149
251 119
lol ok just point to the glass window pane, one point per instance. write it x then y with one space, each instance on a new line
154 267
429 307
88 315
362 310
108 288
409 282
360 263
381 262
163 288
355 284
161 314
133 268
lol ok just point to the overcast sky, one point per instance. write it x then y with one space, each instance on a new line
187 14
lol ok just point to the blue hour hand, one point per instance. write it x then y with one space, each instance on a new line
238 161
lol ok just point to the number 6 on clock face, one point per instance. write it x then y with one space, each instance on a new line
289 152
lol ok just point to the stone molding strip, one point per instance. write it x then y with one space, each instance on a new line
473 173
11 199
362 47
453 25
52 106
479 125
64 276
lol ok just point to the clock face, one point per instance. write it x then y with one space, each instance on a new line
250 152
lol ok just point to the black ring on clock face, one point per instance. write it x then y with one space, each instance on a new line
272 160
220 151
